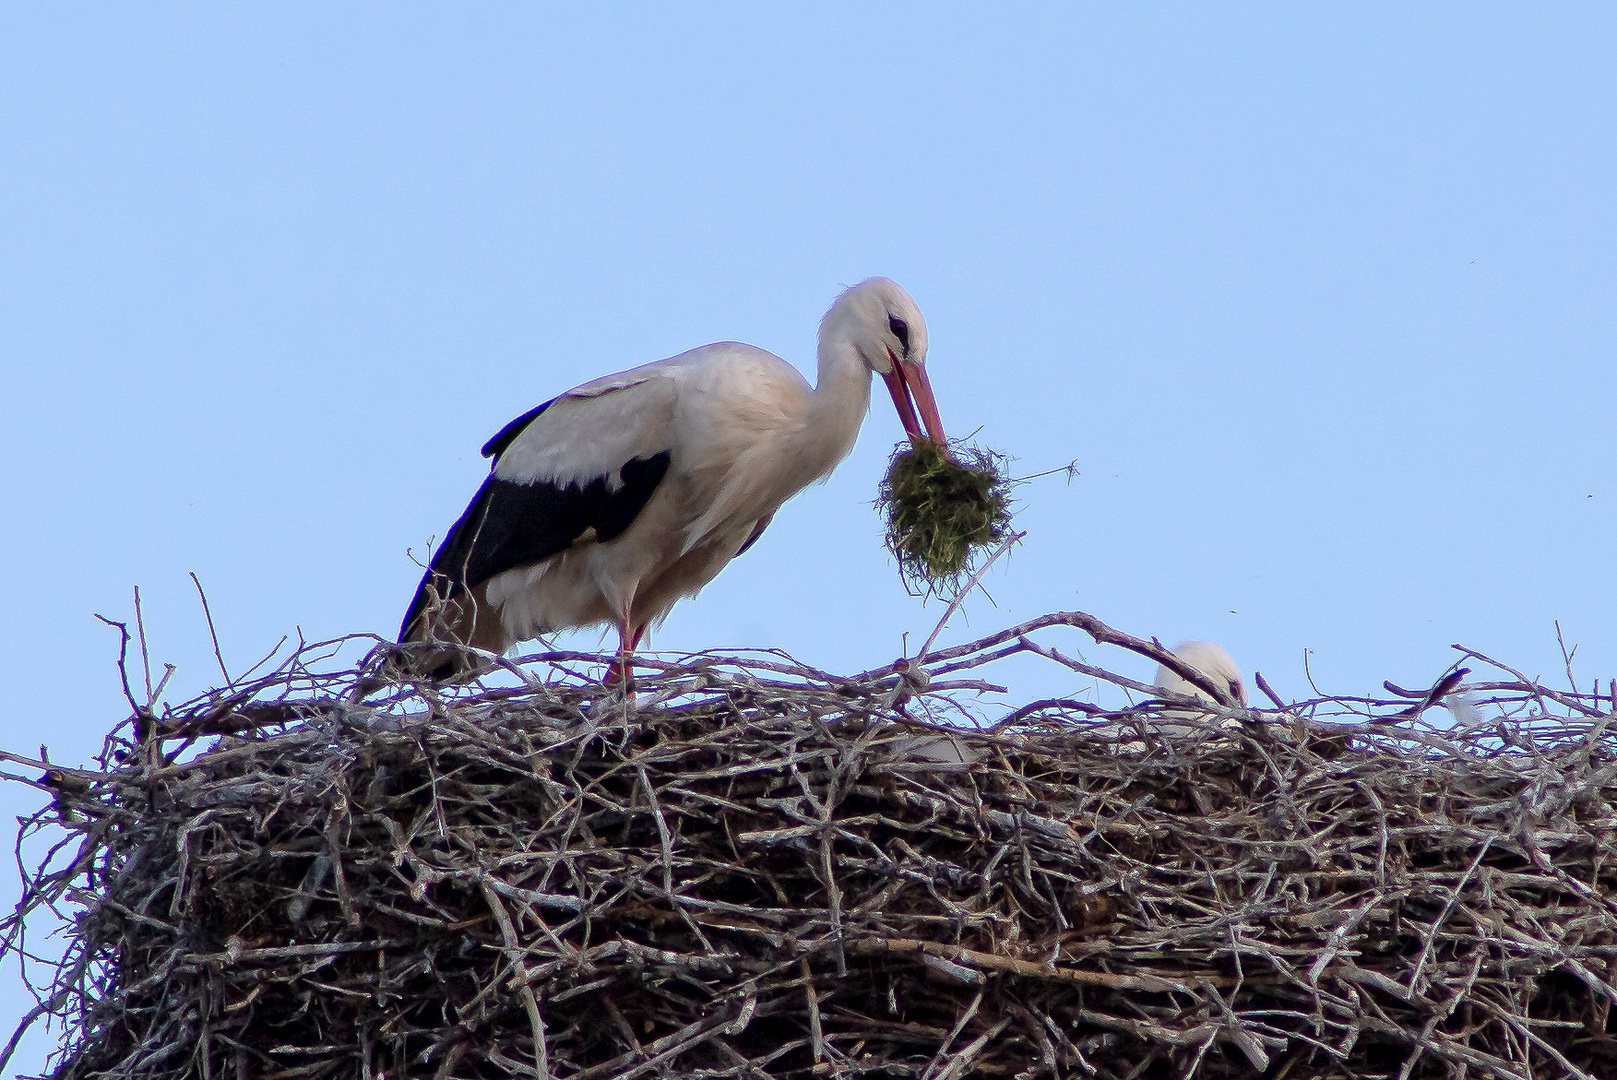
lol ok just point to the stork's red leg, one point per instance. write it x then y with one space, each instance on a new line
622 670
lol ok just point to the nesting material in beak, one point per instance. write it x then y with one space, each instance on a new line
945 509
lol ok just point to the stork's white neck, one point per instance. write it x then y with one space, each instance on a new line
837 407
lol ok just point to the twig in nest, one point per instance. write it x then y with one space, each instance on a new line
1428 698
212 633
960 594
526 881
1263 684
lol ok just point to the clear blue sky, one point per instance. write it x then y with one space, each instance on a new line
1321 298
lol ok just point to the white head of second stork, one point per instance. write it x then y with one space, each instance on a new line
1209 658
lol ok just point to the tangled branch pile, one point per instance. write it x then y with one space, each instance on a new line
761 870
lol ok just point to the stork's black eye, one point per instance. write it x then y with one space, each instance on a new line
901 330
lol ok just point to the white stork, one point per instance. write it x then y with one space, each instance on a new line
1211 660
611 502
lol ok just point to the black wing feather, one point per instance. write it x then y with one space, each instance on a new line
507 435
757 531
510 525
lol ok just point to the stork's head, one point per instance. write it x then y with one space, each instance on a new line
879 321
1211 660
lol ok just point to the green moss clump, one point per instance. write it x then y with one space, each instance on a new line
943 512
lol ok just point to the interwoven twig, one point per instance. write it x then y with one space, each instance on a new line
757 869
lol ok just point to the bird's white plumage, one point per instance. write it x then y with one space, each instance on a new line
592 430
1210 659
742 432
737 424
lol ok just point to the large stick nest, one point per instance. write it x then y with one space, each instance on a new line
761 870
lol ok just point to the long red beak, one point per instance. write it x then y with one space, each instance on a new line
912 392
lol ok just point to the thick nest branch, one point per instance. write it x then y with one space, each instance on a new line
761 870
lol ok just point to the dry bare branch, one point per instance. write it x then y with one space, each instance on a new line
757 869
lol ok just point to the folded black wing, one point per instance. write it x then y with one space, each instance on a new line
588 460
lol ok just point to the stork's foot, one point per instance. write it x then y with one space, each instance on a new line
620 676
621 673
